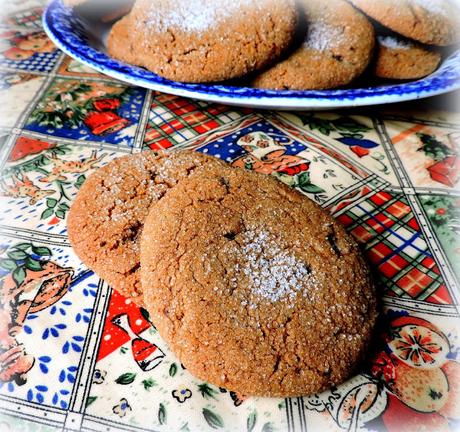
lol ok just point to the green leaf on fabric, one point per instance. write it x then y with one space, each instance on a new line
41 250
172 370
7 264
33 264
268 427
51 202
126 378
162 414
90 400
214 420
149 383
17 255
22 246
19 275
207 391
251 421
47 213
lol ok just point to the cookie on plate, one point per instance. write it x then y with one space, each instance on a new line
203 40
106 218
398 58
336 49
254 287
432 22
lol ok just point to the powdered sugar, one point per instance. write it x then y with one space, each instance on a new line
273 273
196 16
322 36
438 7
394 42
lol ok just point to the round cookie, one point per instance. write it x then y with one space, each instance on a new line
254 287
203 40
336 49
397 58
433 22
106 218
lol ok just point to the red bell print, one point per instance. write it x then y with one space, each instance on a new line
105 122
146 354
107 104
446 171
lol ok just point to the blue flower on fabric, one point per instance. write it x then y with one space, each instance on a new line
122 408
99 376
182 394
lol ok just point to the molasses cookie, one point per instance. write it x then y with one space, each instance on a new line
254 287
106 218
336 49
398 58
203 40
433 22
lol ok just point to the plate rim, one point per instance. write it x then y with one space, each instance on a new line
257 98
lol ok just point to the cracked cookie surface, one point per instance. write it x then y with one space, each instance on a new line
398 58
432 22
255 287
106 218
336 46
203 40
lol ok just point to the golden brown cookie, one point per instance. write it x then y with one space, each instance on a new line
398 58
433 22
203 40
336 49
254 287
106 218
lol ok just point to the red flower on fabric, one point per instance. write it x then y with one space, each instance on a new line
417 347
384 368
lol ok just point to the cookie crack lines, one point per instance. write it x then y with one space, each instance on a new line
278 44
234 267
331 239
112 205
132 232
131 271
322 58
203 41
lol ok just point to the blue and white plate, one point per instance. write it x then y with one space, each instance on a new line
85 41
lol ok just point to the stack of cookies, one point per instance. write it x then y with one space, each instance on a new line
253 286
285 44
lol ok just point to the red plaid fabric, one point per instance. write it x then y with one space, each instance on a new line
174 120
386 226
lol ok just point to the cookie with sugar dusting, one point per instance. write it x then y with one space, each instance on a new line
203 40
254 287
432 22
335 50
398 58
106 218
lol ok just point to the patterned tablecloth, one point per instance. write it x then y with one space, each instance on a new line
76 355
